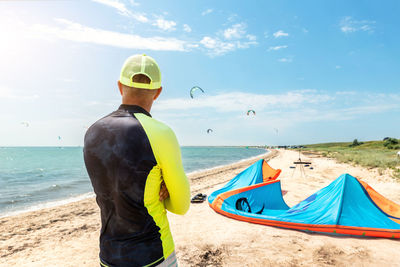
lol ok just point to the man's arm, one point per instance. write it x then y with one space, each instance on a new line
163 192
173 174
168 155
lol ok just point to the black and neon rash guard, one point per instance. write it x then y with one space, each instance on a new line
127 155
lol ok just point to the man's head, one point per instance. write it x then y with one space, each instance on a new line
140 81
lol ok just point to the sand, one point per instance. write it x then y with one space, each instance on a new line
68 235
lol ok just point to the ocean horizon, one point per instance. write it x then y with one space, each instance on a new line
37 177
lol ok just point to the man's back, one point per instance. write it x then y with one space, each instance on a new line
127 155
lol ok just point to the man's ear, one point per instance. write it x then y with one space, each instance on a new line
158 93
120 88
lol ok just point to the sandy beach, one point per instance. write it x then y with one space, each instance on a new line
68 235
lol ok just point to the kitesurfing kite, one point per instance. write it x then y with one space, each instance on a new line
251 111
195 88
26 124
347 206
209 131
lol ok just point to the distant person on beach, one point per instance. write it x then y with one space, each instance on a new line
134 164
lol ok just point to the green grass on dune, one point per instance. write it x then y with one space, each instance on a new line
371 154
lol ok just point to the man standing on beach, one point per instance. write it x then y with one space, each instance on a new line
134 164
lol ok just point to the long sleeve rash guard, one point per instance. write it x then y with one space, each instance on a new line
127 155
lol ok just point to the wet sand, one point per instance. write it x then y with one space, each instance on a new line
68 235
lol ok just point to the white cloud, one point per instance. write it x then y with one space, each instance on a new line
114 4
76 32
209 42
187 28
280 33
239 101
5 92
134 3
278 47
251 37
235 38
350 25
346 93
350 113
285 59
166 25
123 10
192 45
69 80
217 47
237 31
232 18
292 106
207 11
63 29
141 18
8 94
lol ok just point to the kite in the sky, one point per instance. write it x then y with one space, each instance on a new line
195 88
251 111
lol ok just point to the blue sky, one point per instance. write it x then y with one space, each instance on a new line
314 71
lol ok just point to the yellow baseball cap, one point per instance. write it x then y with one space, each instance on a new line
141 64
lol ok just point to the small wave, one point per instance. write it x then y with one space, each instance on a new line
51 191
11 202
49 204
59 187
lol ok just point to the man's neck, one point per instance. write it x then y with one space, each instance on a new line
145 106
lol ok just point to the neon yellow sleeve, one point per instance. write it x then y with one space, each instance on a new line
168 155
173 174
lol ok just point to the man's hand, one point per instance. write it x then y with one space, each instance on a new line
164 194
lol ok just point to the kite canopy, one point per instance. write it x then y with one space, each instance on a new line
251 111
195 88
345 207
209 131
257 173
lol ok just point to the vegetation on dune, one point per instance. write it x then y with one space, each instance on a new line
356 143
372 154
391 143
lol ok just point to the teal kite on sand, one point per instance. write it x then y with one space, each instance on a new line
347 206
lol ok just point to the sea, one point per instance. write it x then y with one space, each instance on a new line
32 178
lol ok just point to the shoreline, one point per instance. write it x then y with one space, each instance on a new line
27 237
225 165
87 195
48 204
194 175
68 235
